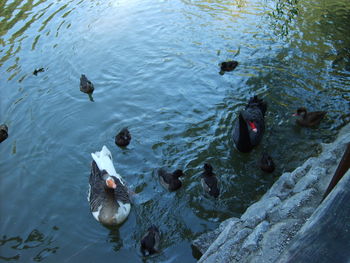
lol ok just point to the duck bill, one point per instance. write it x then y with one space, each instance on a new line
253 126
111 184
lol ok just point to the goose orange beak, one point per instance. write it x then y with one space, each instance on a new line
111 184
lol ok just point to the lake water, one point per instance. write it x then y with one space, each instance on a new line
155 68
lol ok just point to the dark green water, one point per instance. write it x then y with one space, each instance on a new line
155 69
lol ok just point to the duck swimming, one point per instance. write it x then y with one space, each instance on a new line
36 71
108 195
123 138
150 241
309 119
209 181
227 66
250 126
170 181
85 85
266 163
3 132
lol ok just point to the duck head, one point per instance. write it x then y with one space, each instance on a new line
259 103
111 181
301 112
178 173
208 169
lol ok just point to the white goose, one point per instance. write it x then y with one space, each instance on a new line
108 195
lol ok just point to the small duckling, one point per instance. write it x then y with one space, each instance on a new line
309 119
209 181
170 180
85 85
36 71
122 139
228 66
3 132
150 241
266 163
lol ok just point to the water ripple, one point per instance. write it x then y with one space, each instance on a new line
155 68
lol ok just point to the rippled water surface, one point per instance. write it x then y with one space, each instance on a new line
155 68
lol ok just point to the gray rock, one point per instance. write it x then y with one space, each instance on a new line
302 170
291 207
325 236
258 211
251 242
282 187
309 179
328 159
203 242
267 227
230 230
275 240
225 251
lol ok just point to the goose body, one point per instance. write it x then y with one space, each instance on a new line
250 126
209 181
86 85
309 119
108 195
170 181
122 139
150 241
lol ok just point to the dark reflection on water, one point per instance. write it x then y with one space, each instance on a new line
154 65
39 246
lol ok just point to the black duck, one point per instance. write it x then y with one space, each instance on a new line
228 66
123 138
209 181
170 181
85 85
266 163
3 132
150 241
309 119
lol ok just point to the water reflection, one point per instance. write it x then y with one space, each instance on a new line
40 246
114 238
215 8
155 65
23 23
283 16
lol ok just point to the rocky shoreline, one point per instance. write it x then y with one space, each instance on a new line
267 227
